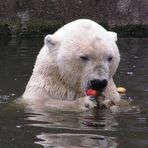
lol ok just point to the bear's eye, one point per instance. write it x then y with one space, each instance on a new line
84 58
110 58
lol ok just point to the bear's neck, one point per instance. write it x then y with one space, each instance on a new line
52 82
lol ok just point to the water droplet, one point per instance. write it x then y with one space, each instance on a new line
134 66
136 57
129 98
18 126
130 73
12 94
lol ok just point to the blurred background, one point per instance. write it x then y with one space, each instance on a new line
29 18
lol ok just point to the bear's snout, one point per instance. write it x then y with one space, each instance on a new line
98 84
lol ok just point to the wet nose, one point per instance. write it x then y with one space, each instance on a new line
98 84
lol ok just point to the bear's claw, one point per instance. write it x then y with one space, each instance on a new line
89 103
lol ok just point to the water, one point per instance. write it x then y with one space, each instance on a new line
22 128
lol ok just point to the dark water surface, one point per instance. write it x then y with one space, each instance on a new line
21 128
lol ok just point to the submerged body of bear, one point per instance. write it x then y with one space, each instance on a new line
79 56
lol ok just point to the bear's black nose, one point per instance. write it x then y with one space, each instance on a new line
98 84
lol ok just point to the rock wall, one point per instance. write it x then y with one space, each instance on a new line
38 17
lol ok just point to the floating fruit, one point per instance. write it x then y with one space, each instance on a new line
121 89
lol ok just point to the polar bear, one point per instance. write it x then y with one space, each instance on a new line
78 56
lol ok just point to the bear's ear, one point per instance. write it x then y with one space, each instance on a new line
113 35
49 41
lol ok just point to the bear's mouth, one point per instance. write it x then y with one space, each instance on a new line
95 88
94 93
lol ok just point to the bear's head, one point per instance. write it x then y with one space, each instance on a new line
85 53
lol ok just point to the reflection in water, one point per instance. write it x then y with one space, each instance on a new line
101 121
75 141
48 129
89 129
67 129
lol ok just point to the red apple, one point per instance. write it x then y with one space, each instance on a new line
91 92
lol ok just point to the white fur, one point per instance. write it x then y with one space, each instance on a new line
60 74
